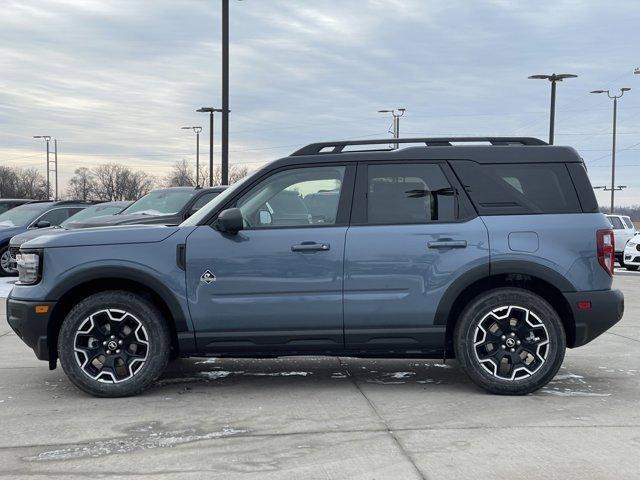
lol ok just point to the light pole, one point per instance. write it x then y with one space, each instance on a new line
47 139
210 111
225 92
553 78
613 147
197 130
396 113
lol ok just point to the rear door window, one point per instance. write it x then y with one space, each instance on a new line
518 188
616 223
628 222
409 193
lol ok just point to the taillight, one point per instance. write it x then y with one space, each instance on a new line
606 249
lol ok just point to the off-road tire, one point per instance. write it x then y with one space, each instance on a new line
153 325
478 313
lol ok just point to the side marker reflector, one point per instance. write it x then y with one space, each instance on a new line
40 309
584 305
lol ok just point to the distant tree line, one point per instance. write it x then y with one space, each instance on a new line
109 181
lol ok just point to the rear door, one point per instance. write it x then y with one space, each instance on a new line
412 235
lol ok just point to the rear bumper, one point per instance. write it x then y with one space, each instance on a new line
30 326
607 307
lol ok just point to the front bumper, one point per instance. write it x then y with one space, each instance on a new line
607 307
30 326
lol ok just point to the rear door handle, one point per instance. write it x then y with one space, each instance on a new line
310 247
447 244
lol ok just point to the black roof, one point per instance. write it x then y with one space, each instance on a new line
494 150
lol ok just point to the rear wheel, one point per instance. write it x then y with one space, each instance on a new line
510 341
114 344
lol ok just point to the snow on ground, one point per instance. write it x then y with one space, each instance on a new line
6 284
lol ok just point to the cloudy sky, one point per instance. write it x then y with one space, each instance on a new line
115 80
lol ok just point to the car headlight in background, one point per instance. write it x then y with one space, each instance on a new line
28 265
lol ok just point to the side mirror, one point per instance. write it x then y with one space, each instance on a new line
230 221
43 224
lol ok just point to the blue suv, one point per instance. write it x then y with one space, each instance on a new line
494 254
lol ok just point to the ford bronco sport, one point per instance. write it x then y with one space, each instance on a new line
494 254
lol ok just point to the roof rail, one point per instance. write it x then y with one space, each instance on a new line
339 146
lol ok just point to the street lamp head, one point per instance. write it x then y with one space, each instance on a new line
46 137
384 111
598 91
539 77
185 128
637 71
625 89
561 76
402 110
208 109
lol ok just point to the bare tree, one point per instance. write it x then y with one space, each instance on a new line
118 182
82 186
22 183
236 172
180 175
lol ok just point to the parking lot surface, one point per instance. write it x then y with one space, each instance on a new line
325 418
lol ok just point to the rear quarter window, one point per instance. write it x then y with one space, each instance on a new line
518 188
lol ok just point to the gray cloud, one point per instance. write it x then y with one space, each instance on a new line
115 80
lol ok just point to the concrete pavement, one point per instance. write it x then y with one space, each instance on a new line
326 418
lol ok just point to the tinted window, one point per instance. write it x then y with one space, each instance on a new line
22 215
203 200
92 212
283 199
616 223
504 189
628 222
58 215
409 193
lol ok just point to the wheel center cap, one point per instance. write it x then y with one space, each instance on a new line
510 342
112 345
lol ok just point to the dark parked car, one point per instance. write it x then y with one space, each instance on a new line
494 254
169 206
9 203
74 221
32 215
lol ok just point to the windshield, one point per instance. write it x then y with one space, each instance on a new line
201 214
22 215
91 212
161 202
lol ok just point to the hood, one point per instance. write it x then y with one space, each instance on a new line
101 236
126 219
7 232
30 234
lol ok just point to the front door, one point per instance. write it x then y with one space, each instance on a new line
277 284
408 242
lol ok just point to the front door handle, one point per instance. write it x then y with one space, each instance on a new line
447 244
310 247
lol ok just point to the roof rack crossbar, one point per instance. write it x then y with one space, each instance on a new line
339 146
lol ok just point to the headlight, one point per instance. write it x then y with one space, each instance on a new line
28 265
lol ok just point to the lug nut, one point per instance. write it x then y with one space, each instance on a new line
108 352
104 343
513 350
503 337
512 334
119 342
118 351
518 342
113 336
503 346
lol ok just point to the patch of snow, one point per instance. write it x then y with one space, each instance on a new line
441 365
280 374
338 375
216 375
574 393
150 440
400 375
208 361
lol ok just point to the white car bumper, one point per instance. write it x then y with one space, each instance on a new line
632 253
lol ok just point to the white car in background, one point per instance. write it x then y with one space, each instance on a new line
632 253
623 231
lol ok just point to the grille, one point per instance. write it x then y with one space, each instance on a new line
13 252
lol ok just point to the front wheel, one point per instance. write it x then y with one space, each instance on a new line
114 344
510 341
5 263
